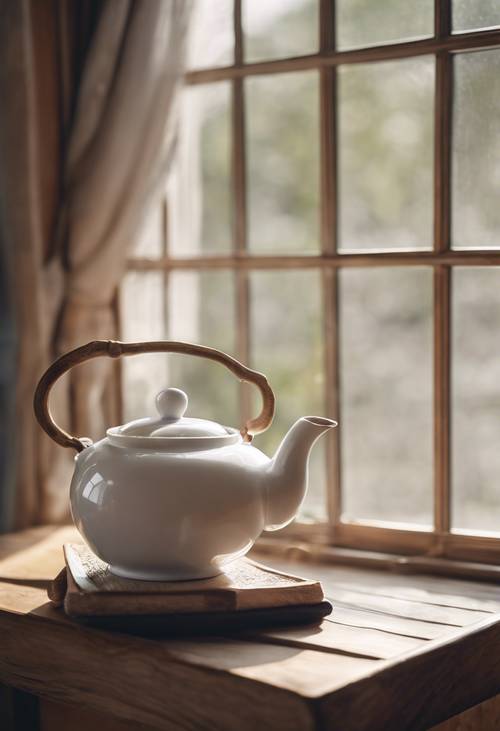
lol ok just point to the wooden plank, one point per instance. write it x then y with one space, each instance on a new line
388 623
424 596
332 637
425 589
347 593
302 671
401 608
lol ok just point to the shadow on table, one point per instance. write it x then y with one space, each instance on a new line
34 583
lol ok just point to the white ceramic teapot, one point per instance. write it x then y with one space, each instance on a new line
171 497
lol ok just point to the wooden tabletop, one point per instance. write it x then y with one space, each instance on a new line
399 652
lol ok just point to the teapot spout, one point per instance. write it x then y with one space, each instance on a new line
287 476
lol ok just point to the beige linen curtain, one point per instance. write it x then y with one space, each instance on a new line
120 140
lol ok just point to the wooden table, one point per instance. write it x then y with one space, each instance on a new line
399 652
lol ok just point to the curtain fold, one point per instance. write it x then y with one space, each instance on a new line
120 140
22 259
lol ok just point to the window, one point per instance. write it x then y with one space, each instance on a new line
334 222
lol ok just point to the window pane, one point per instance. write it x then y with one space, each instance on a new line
476 399
211 34
283 168
476 151
201 310
386 393
386 154
200 188
279 28
470 14
142 307
368 23
286 344
149 242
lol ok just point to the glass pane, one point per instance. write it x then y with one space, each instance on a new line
283 168
201 310
476 152
149 243
279 28
386 394
470 14
200 187
142 308
286 339
386 154
211 34
476 399
368 23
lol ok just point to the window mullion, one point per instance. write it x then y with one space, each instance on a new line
442 278
242 335
328 206
442 340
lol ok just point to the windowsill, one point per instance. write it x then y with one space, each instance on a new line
307 551
394 546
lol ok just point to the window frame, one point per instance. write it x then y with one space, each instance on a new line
440 541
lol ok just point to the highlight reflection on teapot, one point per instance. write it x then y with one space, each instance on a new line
172 497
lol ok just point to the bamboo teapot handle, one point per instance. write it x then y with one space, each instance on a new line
115 349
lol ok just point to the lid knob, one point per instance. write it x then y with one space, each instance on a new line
171 403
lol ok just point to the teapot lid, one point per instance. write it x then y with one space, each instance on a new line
171 429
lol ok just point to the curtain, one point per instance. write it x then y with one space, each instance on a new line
118 137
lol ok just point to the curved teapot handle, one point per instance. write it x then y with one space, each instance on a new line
115 349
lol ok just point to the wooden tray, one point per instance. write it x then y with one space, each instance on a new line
247 595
